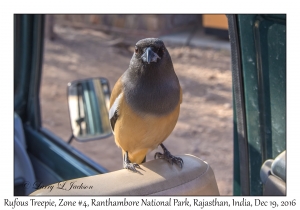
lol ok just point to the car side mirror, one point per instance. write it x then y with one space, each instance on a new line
88 101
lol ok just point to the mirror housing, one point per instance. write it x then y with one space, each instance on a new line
88 101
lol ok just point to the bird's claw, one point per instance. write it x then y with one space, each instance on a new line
129 165
132 166
169 157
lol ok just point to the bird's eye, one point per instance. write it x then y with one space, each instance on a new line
136 50
161 51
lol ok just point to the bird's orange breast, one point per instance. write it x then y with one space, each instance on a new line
140 134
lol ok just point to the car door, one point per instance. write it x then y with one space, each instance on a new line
52 159
258 44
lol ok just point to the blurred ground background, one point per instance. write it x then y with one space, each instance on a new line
204 128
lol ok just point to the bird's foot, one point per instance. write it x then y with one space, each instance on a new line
129 165
169 157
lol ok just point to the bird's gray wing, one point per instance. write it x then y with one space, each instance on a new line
113 112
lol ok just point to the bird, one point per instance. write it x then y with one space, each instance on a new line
145 104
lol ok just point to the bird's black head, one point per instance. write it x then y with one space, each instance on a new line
150 53
149 50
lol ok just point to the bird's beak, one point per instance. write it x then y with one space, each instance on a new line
149 55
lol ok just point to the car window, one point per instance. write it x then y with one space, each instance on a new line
91 49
